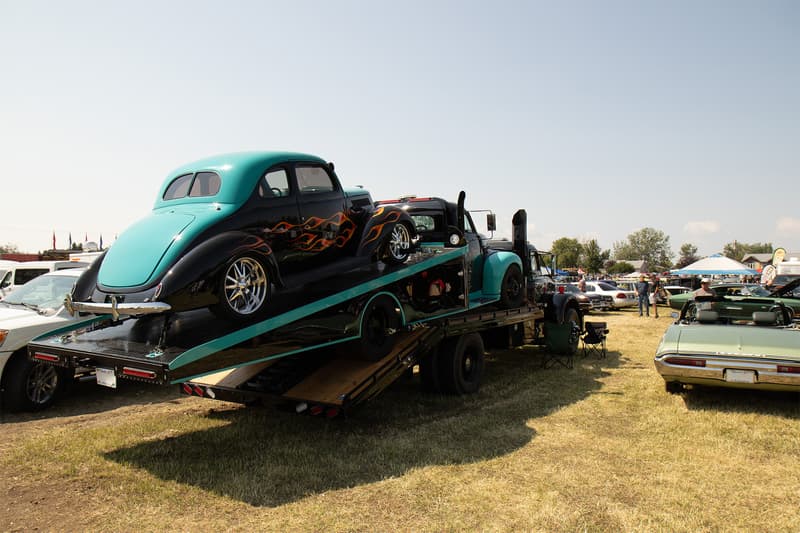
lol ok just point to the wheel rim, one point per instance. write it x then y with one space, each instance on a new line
400 241
42 384
513 288
245 286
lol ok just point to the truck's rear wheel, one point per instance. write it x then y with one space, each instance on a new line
378 324
512 289
461 364
573 320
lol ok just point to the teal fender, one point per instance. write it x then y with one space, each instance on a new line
494 268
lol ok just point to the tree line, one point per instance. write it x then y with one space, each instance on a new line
648 244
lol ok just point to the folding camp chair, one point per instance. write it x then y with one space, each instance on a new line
594 339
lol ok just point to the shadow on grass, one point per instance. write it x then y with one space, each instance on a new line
89 397
776 403
266 457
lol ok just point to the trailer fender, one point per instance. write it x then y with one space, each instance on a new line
562 302
494 270
378 319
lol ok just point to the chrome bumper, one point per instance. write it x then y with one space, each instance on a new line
115 309
765 372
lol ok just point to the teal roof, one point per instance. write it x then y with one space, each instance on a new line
239 173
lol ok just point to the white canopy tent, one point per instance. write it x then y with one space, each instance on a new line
716 264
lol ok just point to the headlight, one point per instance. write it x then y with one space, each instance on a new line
3 335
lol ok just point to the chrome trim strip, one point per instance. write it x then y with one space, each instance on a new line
117 309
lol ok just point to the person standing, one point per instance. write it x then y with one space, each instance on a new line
705 288
643 293
655 293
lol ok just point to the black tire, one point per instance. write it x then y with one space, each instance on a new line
243 290
512 289
378 321
31 386
573 318
397 248
461 364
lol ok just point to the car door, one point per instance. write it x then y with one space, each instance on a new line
327 227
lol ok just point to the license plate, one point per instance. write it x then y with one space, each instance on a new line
740 376
106 377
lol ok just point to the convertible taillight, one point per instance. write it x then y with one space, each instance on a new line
786 369
685 361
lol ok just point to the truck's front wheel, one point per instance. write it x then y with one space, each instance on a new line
461 364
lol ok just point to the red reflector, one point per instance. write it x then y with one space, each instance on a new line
137 373
198 390
686 362
45 357
333 412
789 369
186 388
316 410
561 289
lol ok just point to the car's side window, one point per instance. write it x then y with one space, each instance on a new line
179 187
205 184
425 223
274 184
313 179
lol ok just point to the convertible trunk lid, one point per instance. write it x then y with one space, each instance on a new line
739 340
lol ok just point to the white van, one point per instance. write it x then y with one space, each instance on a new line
24 271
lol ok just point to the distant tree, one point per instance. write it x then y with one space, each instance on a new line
9 248
737 250
568 252
649 244
621 267
593 258
688 255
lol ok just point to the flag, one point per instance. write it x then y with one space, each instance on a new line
101 241
54 239
85 237
70 240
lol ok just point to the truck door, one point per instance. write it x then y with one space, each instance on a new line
327 227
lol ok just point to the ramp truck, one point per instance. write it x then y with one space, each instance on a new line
337 341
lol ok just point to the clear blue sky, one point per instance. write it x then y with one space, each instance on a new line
599 118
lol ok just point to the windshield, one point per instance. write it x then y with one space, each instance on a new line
42 292
754 290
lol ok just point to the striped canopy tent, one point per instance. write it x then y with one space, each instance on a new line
715 265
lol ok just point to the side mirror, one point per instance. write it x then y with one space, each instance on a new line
491 222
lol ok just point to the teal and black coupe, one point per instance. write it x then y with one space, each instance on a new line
228 230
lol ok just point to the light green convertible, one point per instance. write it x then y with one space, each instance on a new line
714 348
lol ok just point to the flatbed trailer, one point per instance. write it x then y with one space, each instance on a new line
337 343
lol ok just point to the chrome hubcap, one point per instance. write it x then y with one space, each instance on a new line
42 383
246 286
400 241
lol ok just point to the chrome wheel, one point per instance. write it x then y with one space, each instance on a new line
399 244
42 384
245 286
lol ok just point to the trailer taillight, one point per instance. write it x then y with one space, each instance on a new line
187 389
198 390
45 357
138 373
316 410
786 369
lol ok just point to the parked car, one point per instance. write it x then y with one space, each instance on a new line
227 231
749 292
22 272
621 298
713 347
32 310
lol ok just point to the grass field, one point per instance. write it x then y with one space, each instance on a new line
600 447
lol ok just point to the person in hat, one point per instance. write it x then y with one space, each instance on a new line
643 293
705 288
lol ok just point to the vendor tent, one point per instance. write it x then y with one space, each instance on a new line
715 265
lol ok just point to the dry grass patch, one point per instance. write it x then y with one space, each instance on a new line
601 447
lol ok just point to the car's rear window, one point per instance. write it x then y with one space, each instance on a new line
606 287
196 185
